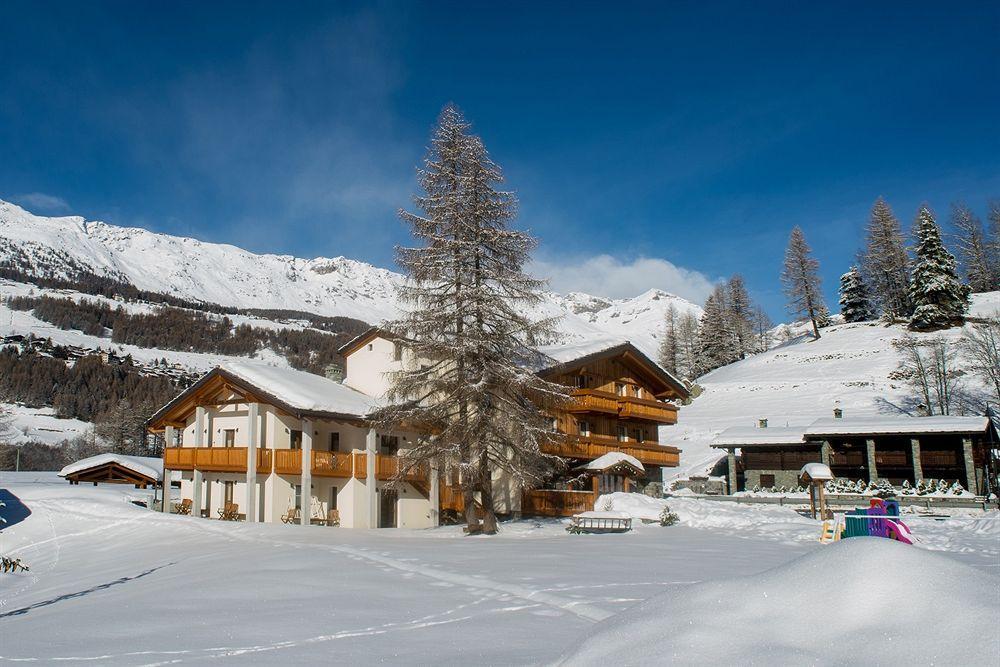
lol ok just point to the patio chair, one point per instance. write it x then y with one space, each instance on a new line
293 515
230 512
183 507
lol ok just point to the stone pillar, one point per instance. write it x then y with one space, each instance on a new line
307 447
168 441
918 469
253 419
435 493
824 453
371 483
970 466
198 478
731 460
870 458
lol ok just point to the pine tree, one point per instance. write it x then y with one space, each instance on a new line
982 274
939 297
669 346
739 311
885 264
854 302
481 410
801 281
715 345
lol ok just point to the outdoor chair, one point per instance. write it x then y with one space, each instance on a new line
231 512
183 507
291 516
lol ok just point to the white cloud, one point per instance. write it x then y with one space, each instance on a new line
607 276
39 202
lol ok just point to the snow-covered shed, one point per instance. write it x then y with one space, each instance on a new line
142 471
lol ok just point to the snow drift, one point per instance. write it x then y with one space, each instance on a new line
863 600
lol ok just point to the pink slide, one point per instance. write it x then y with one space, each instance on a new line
899 531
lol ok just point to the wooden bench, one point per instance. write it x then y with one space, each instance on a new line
600 522
332 518
292 516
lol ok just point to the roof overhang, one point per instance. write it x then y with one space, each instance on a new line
663 384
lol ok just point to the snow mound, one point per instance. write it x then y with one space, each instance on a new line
862 600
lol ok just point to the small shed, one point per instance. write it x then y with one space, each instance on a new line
618 464
141 471
816 475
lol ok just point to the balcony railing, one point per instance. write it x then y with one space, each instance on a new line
590 447
549 502
593 400
214 459
630 407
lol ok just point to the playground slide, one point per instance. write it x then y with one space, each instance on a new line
899 531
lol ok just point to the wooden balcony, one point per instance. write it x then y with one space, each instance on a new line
593 400
590 447
630 407
332 464
549 502
214 459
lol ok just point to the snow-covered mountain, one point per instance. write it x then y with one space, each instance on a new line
231 276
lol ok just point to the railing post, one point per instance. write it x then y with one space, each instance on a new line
168 439
307 443
253 416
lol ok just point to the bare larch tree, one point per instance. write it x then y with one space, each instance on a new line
801 281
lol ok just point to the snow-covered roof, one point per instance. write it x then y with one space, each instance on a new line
771 435
738 436
144 465
896 425
610 460
565 352
301 390
817 472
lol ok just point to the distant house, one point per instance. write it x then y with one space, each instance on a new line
896 449
275 440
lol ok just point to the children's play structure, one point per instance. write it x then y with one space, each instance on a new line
880 519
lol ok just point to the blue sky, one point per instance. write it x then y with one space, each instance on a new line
652 145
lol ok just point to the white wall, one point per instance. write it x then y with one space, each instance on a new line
368 368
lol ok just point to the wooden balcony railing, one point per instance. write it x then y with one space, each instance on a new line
178 458
939 459
214 459
549 502
288 461
386 467
332 464
590 447
891 459
283 462
630 407
593 400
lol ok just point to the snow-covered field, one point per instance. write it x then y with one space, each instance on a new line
40 425
797 382
112 583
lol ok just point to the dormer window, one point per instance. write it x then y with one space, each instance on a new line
620 389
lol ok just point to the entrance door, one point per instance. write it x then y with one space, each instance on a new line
387 508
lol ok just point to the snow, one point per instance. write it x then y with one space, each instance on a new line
902 425
126 586
612 459
302 390
40 425
772 435
594 514
816 471
144 465
862 600
985 304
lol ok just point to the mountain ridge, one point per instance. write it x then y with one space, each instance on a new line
228 275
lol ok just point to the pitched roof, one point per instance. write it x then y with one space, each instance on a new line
146 466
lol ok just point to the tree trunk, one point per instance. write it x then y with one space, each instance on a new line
486 494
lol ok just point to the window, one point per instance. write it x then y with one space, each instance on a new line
296 439
388 444
767 481
622 434
636 391
581 381
298 496
333 498
230 437
229 491
583 427
639 435
335 441
397 352
370 347
619 389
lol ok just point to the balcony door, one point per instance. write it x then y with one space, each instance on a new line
387 508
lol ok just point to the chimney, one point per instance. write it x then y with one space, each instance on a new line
837 412
762 423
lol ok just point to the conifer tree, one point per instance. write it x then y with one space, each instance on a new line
982 274
480 408
854 302
669 345
715 346
885 264
993 238
801 281
688 335
739 311
762 326
939 297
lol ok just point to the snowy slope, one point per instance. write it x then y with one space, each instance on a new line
799 381
231 276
